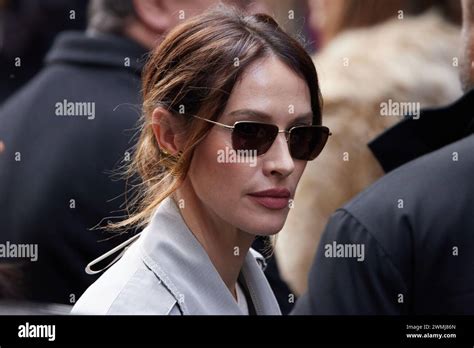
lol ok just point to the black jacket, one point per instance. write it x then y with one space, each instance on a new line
415 226
55 181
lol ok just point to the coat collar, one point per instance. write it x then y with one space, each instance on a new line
177 258
91 48
434 129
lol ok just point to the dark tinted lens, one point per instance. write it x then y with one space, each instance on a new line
254 136
307 142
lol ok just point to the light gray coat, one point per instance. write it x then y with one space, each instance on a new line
167 271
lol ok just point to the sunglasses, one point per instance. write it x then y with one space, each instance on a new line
304 142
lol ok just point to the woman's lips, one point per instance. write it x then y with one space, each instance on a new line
275 203
272 199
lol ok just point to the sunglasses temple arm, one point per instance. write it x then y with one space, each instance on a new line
214 122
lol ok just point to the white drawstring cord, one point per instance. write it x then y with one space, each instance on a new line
111 252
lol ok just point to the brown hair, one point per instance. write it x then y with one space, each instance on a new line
193 72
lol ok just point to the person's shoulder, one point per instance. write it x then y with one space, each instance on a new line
442 170
144 294
129 287
412 203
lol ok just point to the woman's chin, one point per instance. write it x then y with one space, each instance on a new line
271 223
264 228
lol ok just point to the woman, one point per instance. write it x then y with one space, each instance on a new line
374 52
231 115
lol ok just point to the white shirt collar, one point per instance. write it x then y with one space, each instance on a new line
241 300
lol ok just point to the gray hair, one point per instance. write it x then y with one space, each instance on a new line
109 16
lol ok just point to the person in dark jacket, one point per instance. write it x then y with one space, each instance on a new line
404 246
64 133
27 31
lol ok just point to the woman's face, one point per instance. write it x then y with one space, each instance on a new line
225 187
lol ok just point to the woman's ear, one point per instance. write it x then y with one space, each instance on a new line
167 130
153 14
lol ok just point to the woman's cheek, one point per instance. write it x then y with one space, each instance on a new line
299 170
233 179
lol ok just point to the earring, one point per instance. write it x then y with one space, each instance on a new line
168 154
163 150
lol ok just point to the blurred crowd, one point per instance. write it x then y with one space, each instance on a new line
57 182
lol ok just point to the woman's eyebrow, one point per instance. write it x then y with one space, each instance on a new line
308 116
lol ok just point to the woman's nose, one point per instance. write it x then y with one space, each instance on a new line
278 160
